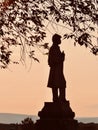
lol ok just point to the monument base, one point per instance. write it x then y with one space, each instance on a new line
56 116
56 124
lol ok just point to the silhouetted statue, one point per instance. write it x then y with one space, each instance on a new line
56 115
56 79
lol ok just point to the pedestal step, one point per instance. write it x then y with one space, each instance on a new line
56 110
56 116
56 124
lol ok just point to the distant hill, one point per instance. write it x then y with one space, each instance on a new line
87 119
8 118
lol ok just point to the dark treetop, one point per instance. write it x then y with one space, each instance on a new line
24 23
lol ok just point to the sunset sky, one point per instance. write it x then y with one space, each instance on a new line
23 88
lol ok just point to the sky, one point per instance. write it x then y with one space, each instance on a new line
23 88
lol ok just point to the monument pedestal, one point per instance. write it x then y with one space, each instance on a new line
56 116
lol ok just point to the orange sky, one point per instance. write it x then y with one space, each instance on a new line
25 92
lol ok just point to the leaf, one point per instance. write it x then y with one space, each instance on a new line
45 45
95 50
51 8
92 28
65 36
83 39
35 59
1 32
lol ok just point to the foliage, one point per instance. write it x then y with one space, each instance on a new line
24 23
27 124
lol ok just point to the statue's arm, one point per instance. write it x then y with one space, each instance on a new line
56 57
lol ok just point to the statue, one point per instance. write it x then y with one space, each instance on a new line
56 79
56 115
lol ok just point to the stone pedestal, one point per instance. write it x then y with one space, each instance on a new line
56 116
